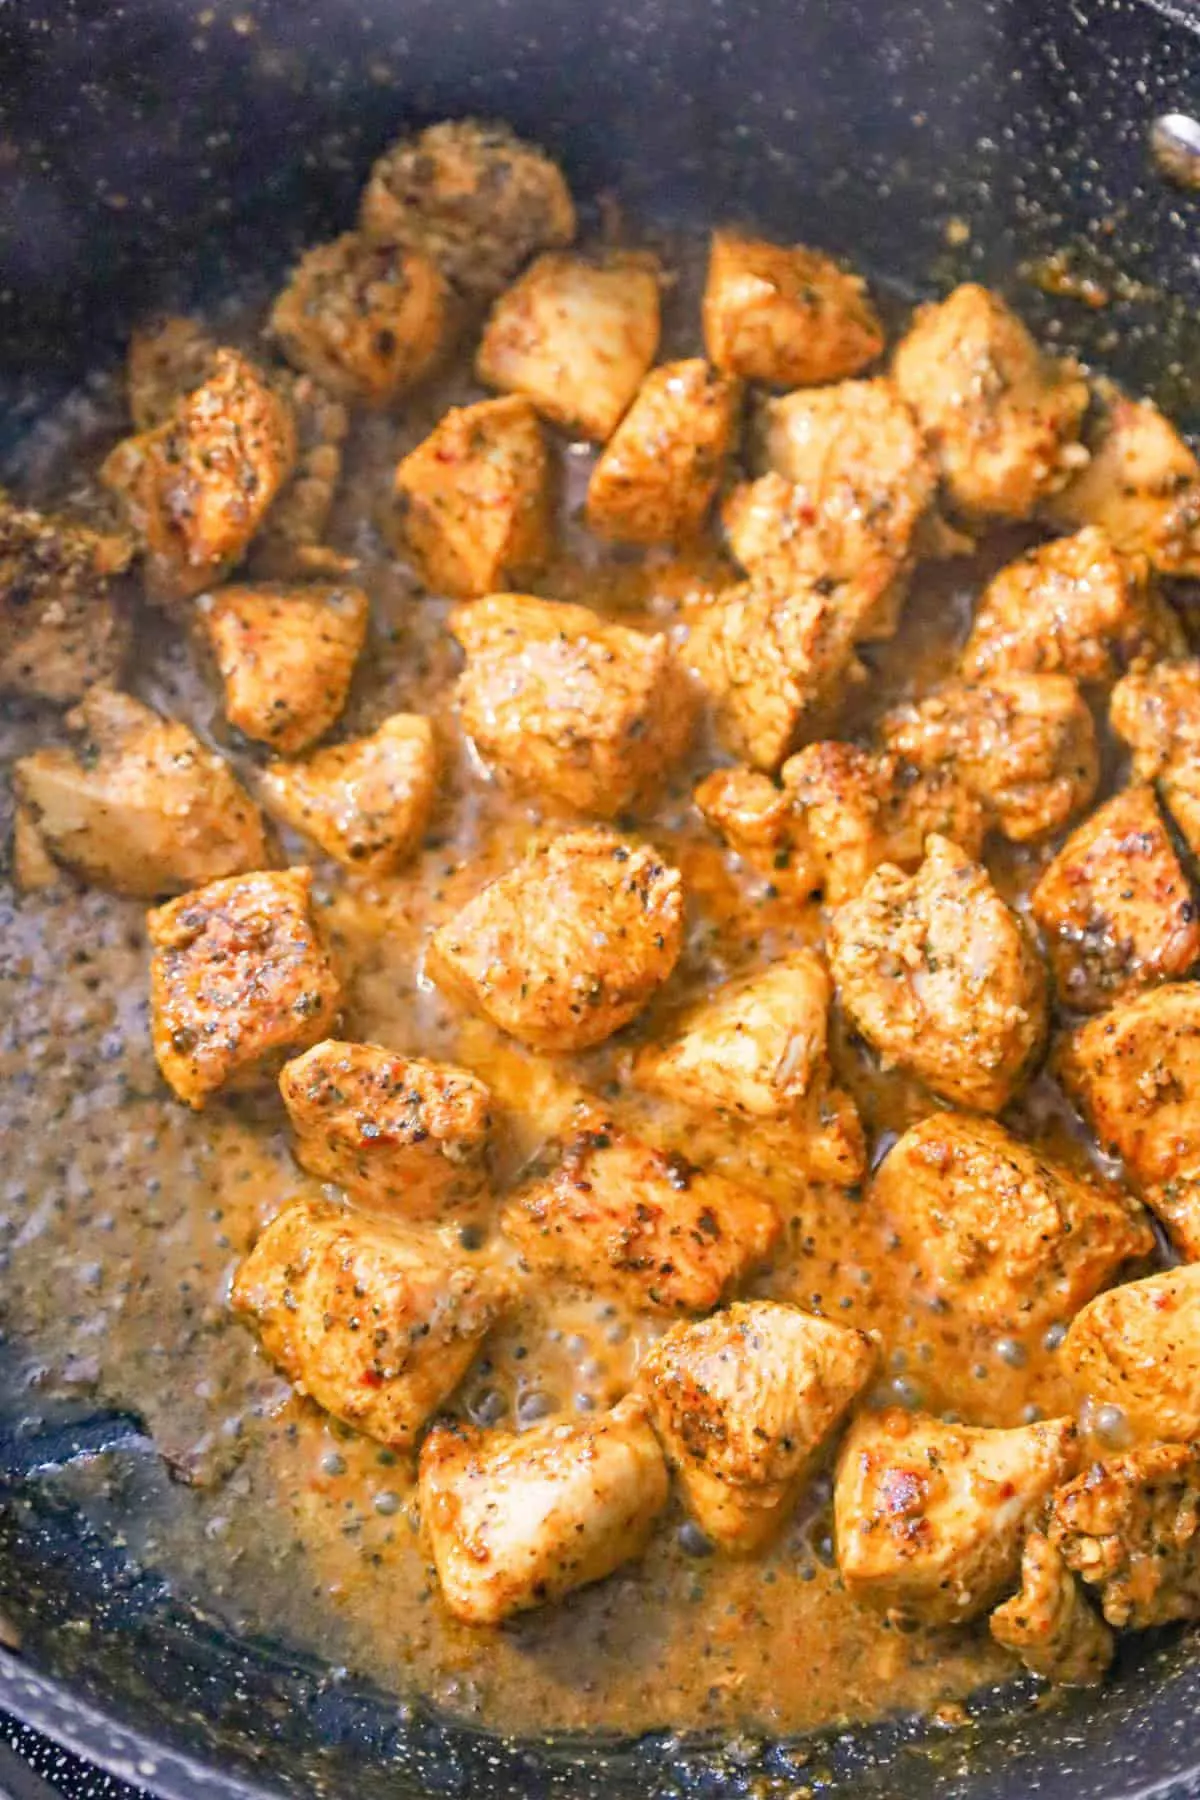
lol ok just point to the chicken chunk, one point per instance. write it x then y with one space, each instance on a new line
1158 716
1003 1236
1049 1624
938 975
758 1049
397 1133
61 625
366 802
617 1216
569 946
784 314
743 1403
196 488
1142 487
576 337
1130 1527
239 981
1075 607
1025 744
142 807
286 656
1134 1072
473 197
657 476
562 703
32 866
789 537
1137 1348
517 1520
472 503
838 814
1002 419
1115 909
930 1517
375 1324
291 544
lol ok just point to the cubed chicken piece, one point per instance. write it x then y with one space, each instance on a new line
1115 908
141 807
617 1216
375 1324
1130 1527
577 338
1003 1236
1134 1072
472 502
517 1520
568 947
565 704
1141 486
784 314
657 476
1075 606
1049 1624
1137 1348
397 1133
33 867
196 488
61 627
366 802
240 980
759 1050
168 358
366 318
1158 716
938 975
1025 744
839 813
930 1518
788 538
286 656
471 196
743 1404
1001 418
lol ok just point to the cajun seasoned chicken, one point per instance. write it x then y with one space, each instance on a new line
1137 1348
788 536
365 802
1049 1624
1141 486
655 480
1130 1527
286 656
32 866
784 314
62 627
1157 713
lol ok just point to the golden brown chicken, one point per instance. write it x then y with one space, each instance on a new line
1137 1348
1130 1527
1048 1623
1141 486
785 314
286 656
62 627
1158 715
365 802
656 478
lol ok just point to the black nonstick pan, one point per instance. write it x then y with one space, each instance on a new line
154 149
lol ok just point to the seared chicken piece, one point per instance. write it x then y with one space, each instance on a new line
1142 486
142 807
838 814
1137 1348
1130 1526
1001 418
168 358
473 197
196 488
743 1403
655 480
291 544
1158 715
377 1325
239 981
940 978
366 802
1115 908
1049 1624
1075 606
1025 744
563 703
1134 1073
397 1133
930 1517
785 314
519 1520
286 656
33 868
1001 1235
472 502
61 629
759 1050
576 337
619 1217
569 946
367 319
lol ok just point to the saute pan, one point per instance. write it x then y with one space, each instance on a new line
152 149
